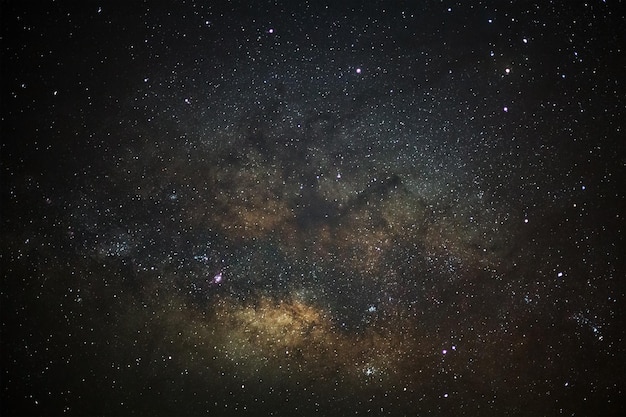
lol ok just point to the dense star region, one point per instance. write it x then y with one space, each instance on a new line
299 208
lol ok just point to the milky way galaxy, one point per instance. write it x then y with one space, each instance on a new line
224 208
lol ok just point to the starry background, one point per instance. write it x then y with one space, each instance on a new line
297 208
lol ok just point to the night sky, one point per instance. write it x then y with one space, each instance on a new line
304 208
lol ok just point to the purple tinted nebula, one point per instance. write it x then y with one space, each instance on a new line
217 278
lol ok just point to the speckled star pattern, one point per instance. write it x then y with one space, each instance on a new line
283 208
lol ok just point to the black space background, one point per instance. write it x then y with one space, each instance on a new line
413 208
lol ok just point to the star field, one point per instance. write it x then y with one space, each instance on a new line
282 208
